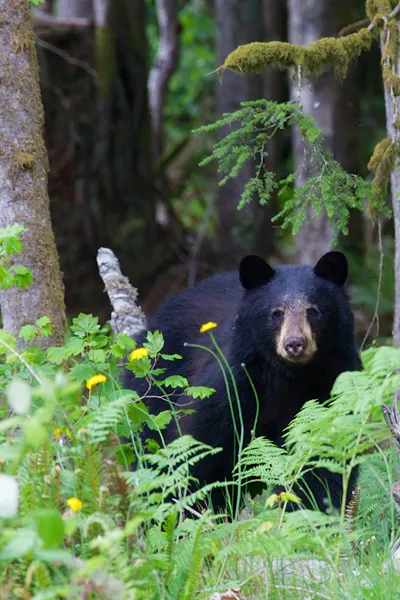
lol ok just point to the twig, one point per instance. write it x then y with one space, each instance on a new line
67 57
127 316
393 14
375 316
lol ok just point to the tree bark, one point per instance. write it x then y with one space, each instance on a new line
274 88
238 22
392 106
162 69
310 20
23 176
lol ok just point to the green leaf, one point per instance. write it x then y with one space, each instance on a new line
55 555
19 546
175 381
125 342
97 356
28 332
75 346
83 372
117 351
159 421
84 325
199 391
43 321
141 368
22 276
50 527
171 356
56 355
155 342
35 434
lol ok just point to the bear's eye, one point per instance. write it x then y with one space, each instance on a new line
313 312
277 313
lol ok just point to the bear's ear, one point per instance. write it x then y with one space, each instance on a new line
332 266
254 271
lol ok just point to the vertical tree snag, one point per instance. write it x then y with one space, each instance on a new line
162 69
23 176
310 20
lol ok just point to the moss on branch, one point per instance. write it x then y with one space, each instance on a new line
381 163
314 59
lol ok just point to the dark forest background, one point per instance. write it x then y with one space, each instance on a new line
123 92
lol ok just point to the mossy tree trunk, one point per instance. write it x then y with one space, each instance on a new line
23 176
238 22
310 20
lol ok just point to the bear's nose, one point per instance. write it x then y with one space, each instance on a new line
295 346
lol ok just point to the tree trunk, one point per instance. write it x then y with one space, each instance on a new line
162 69
23 176
310 20
238 22
274 88
347 112
392 105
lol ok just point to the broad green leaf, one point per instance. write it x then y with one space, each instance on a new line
199 391
23 543
175 381
50 527
84 325
28 332
34 433
159 421
155 342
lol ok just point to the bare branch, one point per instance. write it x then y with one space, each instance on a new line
47 26
127 316
163 67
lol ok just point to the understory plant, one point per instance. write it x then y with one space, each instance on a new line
76 522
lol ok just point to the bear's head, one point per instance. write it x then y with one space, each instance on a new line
295 312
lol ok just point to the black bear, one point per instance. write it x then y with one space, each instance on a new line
291 326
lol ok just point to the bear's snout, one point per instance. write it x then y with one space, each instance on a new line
295 346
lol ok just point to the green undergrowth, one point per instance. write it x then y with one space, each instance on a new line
76 522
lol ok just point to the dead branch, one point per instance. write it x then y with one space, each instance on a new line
47 26
127 316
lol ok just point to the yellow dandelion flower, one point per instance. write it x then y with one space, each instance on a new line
207 326
68 433
100 378
74 504
138 354
57 433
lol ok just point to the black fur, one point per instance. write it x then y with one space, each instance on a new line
246 333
